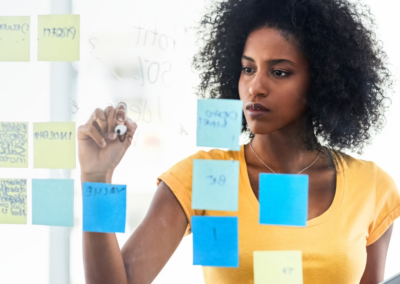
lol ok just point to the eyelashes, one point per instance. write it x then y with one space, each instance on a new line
277 73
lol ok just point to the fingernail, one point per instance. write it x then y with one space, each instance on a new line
112 135
120 119
104 144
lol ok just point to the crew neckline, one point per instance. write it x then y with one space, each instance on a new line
337 200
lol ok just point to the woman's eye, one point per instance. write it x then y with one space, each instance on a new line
280 73
246 70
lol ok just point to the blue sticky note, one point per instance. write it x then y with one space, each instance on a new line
53 202
219 123
215 241
283 199
215 185
104 207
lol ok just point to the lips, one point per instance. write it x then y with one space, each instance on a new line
255 110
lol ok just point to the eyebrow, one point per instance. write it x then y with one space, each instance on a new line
271 61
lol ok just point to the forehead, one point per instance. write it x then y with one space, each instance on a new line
269 43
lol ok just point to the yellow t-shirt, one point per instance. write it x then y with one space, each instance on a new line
333 244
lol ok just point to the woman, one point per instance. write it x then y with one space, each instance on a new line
312 79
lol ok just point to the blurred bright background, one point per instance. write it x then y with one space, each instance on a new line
139 52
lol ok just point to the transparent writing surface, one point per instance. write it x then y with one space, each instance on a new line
14 144
58 37
13 196
15 38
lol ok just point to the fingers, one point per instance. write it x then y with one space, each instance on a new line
90 131
120 113
111 123
99 120
131 129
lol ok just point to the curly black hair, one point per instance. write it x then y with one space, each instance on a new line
349 77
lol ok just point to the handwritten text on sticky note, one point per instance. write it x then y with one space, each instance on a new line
14 144
215 241
14 38
104 207
215 185
219 123
13 196
278 267
283 199
53 202
54 145
58 37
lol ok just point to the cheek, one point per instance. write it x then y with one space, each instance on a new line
293 99
242 87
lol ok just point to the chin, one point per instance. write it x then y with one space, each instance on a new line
261 128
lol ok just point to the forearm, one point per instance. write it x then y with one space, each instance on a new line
102 256
102 259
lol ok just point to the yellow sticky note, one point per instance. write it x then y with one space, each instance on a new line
13 144
54 145
58 37
13 201
14 38
278 267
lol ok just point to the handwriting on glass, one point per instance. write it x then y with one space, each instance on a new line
60 32
103 190
13 197
217 180
217 118
53 135
288 270
13 142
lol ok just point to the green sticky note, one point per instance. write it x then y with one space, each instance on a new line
14 144
58 37
278 267
54 145
14 38
13 201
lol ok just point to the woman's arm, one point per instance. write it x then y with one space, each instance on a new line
153 243
376 259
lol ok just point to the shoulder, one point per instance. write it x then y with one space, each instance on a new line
359 168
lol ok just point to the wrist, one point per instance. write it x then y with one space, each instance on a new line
98 177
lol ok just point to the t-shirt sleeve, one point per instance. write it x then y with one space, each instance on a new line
387 206
179 180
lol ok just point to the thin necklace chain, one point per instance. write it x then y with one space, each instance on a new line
273 170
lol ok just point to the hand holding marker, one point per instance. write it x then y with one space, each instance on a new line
99 150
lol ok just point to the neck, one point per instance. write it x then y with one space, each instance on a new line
283 151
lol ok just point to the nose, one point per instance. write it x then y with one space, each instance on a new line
259 85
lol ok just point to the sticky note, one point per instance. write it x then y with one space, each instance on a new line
104 207
215 241
215 185
13 196
58 37
53 202
219 123
54 145
14 144
14 38
278 267
283 199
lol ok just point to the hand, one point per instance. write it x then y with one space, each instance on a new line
99 149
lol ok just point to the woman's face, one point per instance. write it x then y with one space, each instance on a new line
273 83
